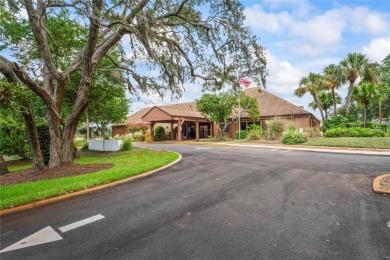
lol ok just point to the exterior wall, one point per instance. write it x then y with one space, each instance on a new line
118 130
156 114
302 122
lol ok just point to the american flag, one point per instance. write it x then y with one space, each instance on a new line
246 82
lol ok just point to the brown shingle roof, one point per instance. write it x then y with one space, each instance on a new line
137 116
187 109
271 105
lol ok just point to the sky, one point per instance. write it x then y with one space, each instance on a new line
304 36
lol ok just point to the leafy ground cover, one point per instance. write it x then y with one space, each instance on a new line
125 164
351 142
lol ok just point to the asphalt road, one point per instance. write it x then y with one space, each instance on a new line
223 203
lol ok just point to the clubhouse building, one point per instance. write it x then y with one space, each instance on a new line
183 121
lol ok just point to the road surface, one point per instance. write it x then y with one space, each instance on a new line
218 203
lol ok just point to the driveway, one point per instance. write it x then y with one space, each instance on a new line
221 203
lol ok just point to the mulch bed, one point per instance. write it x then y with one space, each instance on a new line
66 170
385 183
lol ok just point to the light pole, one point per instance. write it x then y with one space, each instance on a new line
243 74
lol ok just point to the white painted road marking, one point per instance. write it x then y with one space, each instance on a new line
388 224
202 148
48 234
81 223
43 236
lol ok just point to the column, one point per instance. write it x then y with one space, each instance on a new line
172 131
152 131
179 130
197 130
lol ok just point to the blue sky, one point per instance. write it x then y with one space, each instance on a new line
305 36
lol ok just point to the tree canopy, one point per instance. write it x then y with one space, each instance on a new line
222 108
155 45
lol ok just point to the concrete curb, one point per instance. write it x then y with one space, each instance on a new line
376 187
320 150
81 192
336 150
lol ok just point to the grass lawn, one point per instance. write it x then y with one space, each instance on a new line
352 142
13 168
126 164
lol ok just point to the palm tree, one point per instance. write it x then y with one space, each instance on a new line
326 101
334 78
312 84
365 93
353 66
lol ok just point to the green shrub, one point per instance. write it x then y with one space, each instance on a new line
84 147
255 132
159 133
340 121
13 134
354 132
242 134
312 132
378 133
127 145
276 126
139 138
293 137
292 127
268 134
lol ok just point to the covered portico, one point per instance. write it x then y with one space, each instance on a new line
184 123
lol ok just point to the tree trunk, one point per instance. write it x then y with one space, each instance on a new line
103 131
36 151
349 97
70 127
319 107
55 140
3 165
87 128
326 113
365 115
334 102
380 112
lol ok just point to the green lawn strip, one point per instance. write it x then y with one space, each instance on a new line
351 142
13 168
126 164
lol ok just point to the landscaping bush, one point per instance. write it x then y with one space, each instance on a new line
159 133
312 132
340 121
276 127
13 138
292 127
84 147
242 134
255 132
268 134
139 138
293 137
127 145
354 132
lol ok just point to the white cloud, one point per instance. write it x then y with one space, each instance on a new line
378 49
361 20
325 30
283 77
257 18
